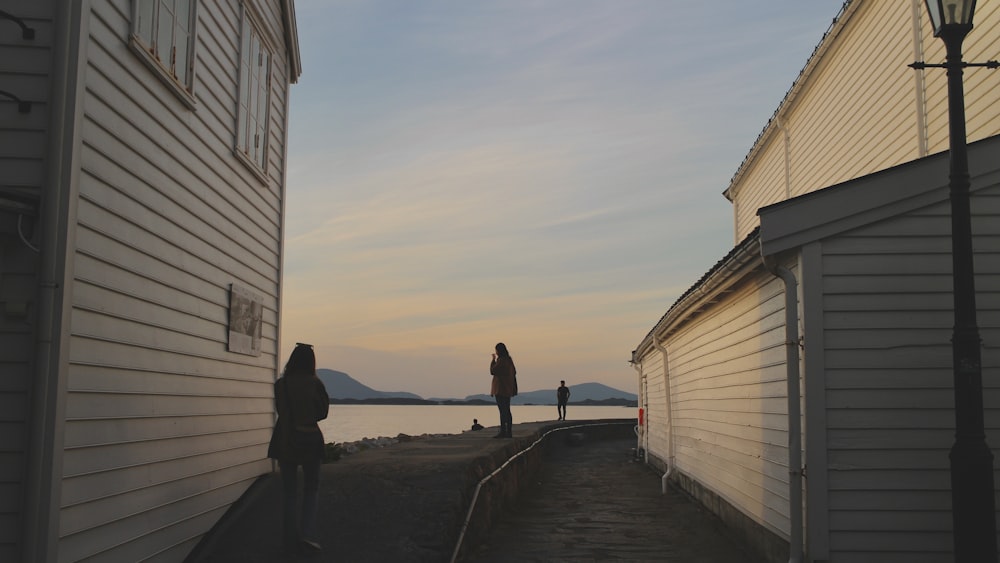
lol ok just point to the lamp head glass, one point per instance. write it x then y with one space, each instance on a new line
951 14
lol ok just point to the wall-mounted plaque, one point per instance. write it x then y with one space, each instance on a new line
246 311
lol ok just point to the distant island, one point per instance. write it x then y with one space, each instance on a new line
345 390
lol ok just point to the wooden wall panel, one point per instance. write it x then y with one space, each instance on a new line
858 110
164 426
890 419
728 398
26 72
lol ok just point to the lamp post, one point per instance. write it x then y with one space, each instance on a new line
973 511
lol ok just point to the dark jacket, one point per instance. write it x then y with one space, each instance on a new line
562 394
504 377
301 402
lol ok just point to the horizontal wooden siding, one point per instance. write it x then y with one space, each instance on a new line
164 427
25 70
728 393
890 420
858 111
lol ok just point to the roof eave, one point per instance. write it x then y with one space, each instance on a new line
743 258
773 124
292 41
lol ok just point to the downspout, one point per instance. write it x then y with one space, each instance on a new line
670 418
43 479
787 141
795 552
640 427
919 87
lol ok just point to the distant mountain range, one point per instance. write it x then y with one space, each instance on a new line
342 386
578 393
339 385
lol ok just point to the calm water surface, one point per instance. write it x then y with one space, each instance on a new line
348 423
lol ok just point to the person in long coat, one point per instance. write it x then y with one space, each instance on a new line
301 401
503 387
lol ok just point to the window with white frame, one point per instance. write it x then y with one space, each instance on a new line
163 32
255 95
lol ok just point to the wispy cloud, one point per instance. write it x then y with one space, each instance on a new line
547 174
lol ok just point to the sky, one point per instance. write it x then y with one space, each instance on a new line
543 173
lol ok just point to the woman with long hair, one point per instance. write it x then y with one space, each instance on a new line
301 401
503 387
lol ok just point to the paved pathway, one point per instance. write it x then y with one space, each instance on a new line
591 502
406 504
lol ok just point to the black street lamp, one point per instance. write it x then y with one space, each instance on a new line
973 510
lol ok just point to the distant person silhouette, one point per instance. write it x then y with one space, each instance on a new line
301 401
562 397
503 387
476 425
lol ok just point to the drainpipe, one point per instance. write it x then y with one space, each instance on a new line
919 87
640 432
44 463
670 418
788 156
794 415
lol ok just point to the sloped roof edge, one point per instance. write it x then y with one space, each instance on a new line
841 19
732 266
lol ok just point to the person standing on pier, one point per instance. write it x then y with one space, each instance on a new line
503 387
301 401
562 397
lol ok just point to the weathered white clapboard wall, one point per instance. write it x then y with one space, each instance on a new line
24 72
725 368
875 304
873 260
654 434
164 428
886 336
878 358
857 107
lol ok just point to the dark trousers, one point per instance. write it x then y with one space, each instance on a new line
294 528
506 419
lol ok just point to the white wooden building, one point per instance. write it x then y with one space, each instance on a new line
141 231
846 189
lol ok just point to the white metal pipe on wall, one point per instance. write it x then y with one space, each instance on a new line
670 419
43 479
795 544
640 427
787 146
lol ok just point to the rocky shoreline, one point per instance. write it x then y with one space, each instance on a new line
335 451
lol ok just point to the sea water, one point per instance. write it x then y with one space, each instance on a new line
349 423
